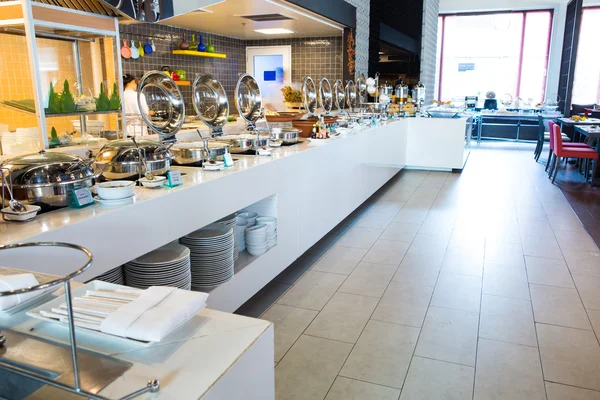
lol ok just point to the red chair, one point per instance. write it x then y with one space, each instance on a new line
580 153
550 162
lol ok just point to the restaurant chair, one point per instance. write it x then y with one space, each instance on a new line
580 153
565 139
579 109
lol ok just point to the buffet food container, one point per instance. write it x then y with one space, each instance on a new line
210 102
245 142
306 125
285 135
192 153
47 178
121 159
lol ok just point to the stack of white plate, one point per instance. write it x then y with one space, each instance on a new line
24 140
166 266
256 239
230 221
271 223
211 255
115 275
240 229
249 216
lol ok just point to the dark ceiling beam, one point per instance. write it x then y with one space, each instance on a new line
336 10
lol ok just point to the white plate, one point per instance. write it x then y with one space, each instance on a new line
116 202
79 292
165 255
157 182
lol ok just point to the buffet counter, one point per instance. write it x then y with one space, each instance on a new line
309 188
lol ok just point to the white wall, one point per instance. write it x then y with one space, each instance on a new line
556 42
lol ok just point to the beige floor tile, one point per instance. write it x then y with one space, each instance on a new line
469 238
583 262
508 371
449 335
309 368
404 303
589 290
502 234
570 356
289 323
431 379
416 275
558 208
387 207
541 247
594 316
428 244
548 271
504 253
313 290
343 318
562 223
362 238
368 279
463 261
557 391
412 215
340 260
382 354
351 389
427 260
386 252
507 320
558 306
457 291
400 231
507 282
398 195
537 228
575 241
375 221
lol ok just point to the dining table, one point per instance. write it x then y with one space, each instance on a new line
570 122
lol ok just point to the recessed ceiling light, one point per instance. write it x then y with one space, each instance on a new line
381 52
274 31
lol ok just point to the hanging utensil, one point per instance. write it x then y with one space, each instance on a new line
125 50
153 46
135 54
148 174
15 205
148 47
141 49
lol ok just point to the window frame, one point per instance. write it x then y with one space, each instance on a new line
443 17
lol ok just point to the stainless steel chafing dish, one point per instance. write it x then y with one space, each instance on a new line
285 135
47 178
339 95
194 152
351 96
245 142
210 102
309 95
121 159
325 95
248 99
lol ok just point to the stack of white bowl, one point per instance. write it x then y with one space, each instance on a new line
24 140
271 223
240 229
249 216
256 239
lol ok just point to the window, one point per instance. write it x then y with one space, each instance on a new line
586 81
501 52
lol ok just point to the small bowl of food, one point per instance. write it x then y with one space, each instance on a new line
157 182
114 190
20 216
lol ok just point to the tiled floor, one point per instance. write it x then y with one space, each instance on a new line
480 285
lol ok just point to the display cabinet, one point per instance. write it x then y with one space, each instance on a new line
62 71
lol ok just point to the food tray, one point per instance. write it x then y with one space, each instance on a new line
443 114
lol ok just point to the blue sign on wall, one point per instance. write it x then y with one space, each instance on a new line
462 67
269 76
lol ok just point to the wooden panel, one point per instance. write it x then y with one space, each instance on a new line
72 18
11 11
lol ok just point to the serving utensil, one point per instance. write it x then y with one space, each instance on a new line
148 174
15 205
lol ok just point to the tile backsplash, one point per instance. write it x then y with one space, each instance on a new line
315 57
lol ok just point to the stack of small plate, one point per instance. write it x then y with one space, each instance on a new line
271 223
211 255
249 216
256 239
240 229
115 275
166 266
230 221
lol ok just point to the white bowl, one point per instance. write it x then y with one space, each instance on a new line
158 181
28 215
248 215
115 190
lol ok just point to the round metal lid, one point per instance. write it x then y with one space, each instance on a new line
325 95
165 101
351 94
248 98
309 95
339 95
210 101
47 168
125 151
361 84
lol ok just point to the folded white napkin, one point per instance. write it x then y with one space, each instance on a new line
157 312
14 282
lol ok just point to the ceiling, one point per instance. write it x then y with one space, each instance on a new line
447 6
225 18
